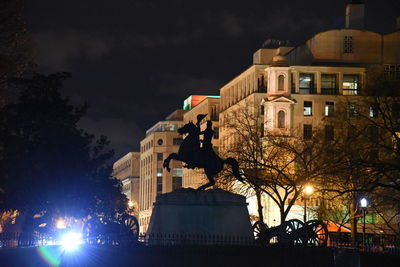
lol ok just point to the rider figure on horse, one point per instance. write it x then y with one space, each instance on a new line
208 134
204 147
196 154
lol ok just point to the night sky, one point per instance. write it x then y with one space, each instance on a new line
135 62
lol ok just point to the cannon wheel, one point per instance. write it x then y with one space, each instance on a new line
131 223
291 232
260 231
317 233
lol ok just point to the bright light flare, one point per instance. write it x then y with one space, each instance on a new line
71 241
308 190
61 224
130 204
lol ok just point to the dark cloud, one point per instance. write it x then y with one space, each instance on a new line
121 133
58 49
231 23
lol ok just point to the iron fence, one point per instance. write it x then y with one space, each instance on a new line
22 239
374 243
388 244
197 239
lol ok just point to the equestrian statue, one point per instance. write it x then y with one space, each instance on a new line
196 153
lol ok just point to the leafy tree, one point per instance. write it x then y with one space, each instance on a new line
49 165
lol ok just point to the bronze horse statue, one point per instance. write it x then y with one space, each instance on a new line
204 157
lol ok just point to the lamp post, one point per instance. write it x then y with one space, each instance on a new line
308 190
363 205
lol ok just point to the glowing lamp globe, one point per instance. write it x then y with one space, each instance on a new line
308 190
363 202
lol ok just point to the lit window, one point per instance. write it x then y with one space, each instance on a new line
329 109
307 108
373 111
351 84
306 83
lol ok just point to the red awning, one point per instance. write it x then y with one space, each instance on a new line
336 227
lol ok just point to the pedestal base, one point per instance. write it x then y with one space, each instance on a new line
189 216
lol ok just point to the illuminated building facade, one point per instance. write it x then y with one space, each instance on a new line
196 105
290 90
127 169
161 140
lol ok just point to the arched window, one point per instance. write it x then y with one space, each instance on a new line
281 119
281 83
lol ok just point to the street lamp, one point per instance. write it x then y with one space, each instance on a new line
363 205
308 190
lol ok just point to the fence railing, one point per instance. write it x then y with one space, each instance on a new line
371 243
21 239
197 239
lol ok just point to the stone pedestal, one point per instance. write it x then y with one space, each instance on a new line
189 216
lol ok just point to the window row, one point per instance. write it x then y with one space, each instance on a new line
146 146
176 179
307 83
351 84
254 82
328 110
352 109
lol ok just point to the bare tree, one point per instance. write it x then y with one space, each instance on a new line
279 166
367 156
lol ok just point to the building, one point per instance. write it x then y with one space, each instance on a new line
196 105
290 90
161 140
127 170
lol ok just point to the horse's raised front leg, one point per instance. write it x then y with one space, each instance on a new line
168 159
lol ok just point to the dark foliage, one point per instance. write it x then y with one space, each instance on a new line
48 164
15 46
